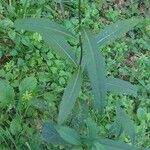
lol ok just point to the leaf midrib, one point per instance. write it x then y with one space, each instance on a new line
131 89
73 87
65 52
52 29
74 83
93 61
105 37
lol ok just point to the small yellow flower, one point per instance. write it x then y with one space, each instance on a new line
9 65
148 28
37 37
27 96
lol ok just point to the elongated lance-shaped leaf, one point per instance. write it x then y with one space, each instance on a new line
40 25
123 123
70 94
121 86
126 123
96 70
116 145
50 134
53 34
92 129
98 146
60 46
69 135
116 30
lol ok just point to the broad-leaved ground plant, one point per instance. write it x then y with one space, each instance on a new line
88 63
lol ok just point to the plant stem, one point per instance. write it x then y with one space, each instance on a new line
80 38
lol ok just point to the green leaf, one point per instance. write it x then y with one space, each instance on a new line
142 114
120 86
6 93
6 135
116 30
60 46
123 123
40 25
53 34
40 104
92 129
69 135
116 145
28 84
15 125
50 134
96 71
70 94
98 146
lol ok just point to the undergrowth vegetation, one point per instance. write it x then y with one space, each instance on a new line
74 75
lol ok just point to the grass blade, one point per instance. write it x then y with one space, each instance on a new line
61 7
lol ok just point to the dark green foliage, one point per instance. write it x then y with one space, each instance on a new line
69 135
34 83
116 30
70 94
123 124
115 145
120 86
53 34
51 135
6 93
96 71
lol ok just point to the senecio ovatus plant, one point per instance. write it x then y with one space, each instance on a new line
92 63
